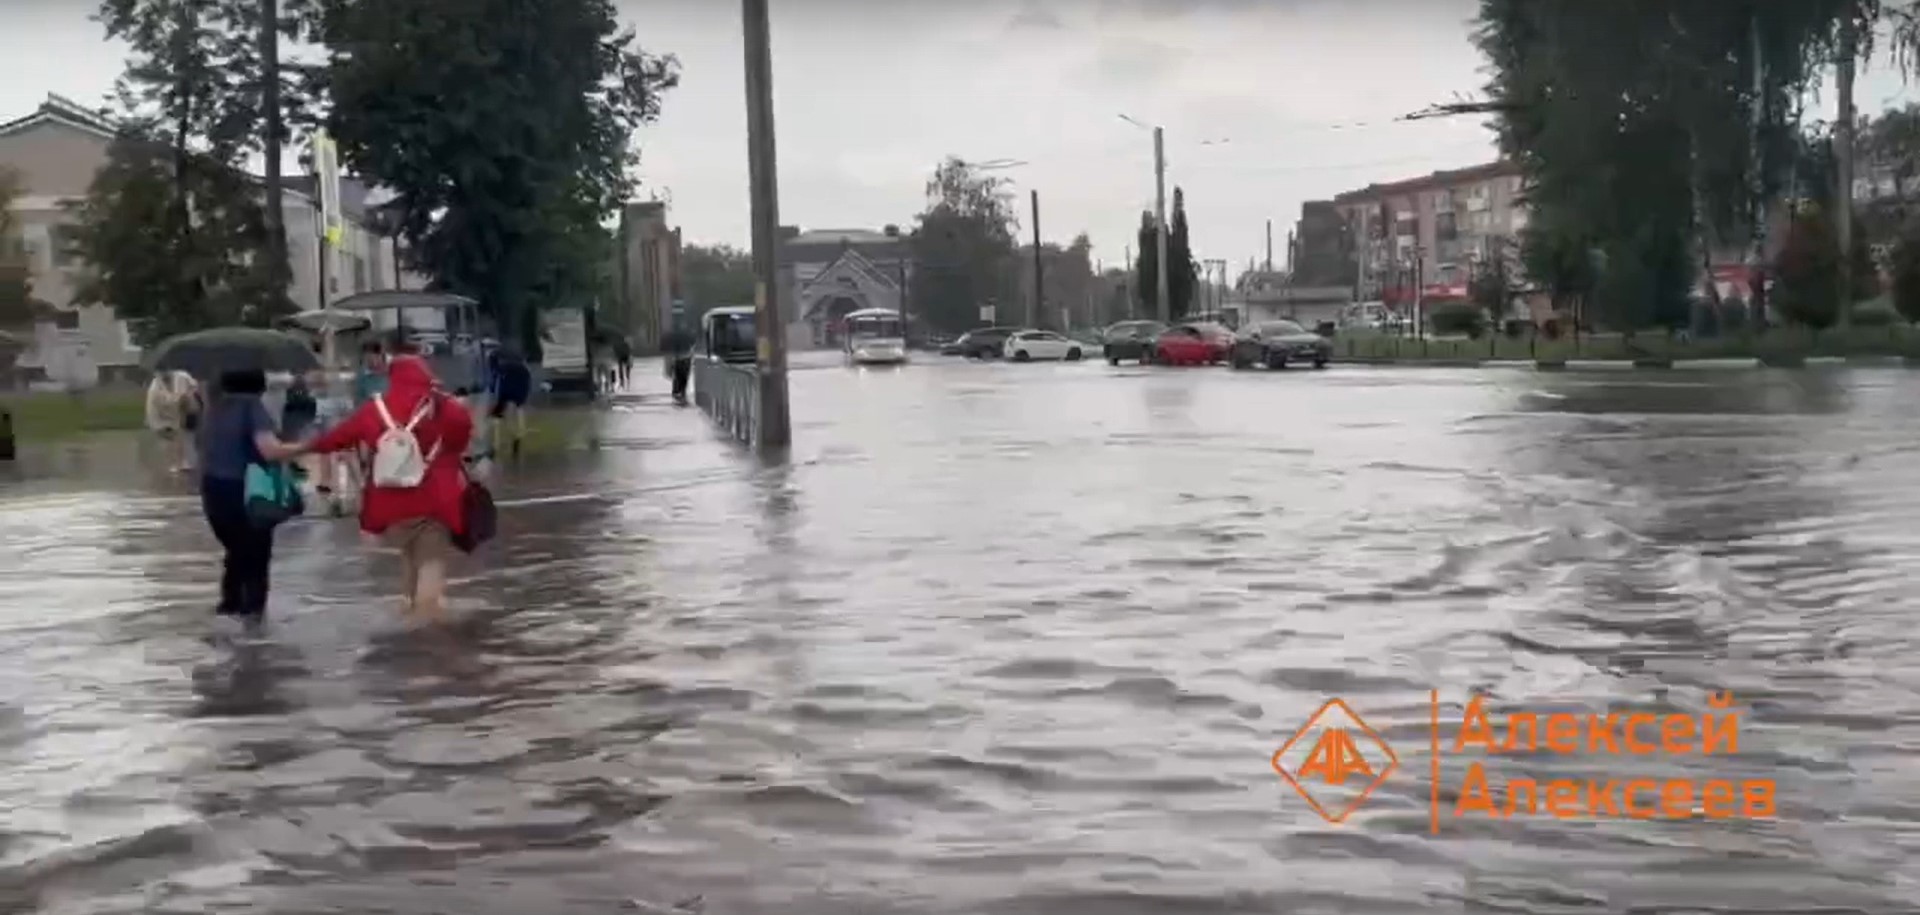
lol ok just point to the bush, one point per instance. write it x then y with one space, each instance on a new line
1734 315
1706 320
1905 268
1874 315
1454 318
1808 272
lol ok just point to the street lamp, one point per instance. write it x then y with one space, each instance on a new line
1159 215
900 272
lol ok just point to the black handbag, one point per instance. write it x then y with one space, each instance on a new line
479 519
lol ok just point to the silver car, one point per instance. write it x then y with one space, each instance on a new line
1278 344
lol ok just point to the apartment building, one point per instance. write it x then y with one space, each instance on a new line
648 268
57 149
1425 235
1320 251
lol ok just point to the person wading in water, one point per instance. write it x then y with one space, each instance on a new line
239 431
414 489
511 384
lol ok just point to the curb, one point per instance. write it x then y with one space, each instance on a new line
1731 363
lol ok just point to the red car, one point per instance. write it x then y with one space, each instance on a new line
1200 343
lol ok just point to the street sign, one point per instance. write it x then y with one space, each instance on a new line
326 168
986 313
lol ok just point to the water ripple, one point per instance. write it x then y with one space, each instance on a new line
1000 639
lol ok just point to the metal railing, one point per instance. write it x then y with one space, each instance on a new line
730 394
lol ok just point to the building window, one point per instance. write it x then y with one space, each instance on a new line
359 273
65 319
63 245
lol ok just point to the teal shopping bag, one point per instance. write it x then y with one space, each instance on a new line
272 495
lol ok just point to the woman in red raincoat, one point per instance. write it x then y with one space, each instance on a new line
419 521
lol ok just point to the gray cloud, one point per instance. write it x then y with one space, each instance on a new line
1036 17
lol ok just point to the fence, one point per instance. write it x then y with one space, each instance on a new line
1772 344
730 394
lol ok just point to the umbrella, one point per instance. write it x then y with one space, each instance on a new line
207 353
382 299
320 321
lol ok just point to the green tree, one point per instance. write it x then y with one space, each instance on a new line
1865 272
1635 127
1146 266
172 230
1905 264
716 275
1491 285
963 246
19 310
1807 271
1184 279
505 130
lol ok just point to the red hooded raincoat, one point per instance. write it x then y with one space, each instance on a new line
409 382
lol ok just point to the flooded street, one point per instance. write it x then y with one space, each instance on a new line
1002 639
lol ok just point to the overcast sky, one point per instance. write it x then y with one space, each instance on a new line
871 94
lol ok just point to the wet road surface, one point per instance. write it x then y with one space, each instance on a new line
1001 639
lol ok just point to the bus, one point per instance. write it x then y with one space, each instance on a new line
875 336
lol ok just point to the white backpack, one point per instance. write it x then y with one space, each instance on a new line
397 461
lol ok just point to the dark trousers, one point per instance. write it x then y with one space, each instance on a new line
249 548
681 369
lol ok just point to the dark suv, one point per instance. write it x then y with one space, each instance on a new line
1131 341
985 342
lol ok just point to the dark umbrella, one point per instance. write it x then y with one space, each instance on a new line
207 353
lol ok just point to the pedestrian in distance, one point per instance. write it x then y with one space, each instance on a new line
677 346
239 433
174 406
415 492
623 360
371 377
511 384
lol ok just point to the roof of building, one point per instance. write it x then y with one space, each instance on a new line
63 110
1431 181
840 236
59 109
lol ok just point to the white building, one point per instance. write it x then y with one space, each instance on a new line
56 151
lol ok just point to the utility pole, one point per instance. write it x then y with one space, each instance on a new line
775 430
1757 257
1420 292
270 106
1126 285
1843 160
1039 309
1269 266
1163 300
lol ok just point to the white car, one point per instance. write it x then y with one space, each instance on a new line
1032 345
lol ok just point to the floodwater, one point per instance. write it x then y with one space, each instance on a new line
1003 639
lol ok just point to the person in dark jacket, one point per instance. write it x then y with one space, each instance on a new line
236 432
623 360
677 346
510 384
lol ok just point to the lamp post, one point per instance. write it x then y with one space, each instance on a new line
900 276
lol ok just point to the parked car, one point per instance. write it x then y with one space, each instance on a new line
1131 341
985 342
1197 343
1277 344
1032 345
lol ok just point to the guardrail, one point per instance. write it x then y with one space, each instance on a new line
730 394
